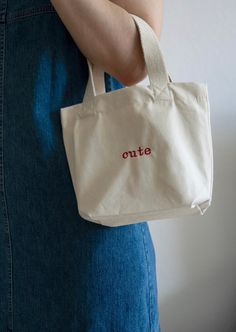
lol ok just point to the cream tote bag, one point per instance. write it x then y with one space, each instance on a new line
140 153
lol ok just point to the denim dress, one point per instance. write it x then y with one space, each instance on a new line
58 271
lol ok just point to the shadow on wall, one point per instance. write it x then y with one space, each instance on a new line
197 256
205 305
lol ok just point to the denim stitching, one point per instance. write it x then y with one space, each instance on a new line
149 277
12 17
2 183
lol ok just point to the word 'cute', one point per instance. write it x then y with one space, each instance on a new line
136 153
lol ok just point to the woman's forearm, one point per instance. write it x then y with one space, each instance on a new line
150 10
106 34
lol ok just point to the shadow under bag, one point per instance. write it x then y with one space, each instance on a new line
140 153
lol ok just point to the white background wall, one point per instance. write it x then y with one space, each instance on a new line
196 256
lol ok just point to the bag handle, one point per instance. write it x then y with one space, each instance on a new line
155 64
96 81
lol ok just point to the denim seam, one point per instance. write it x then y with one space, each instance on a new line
149 277
2 183
12 17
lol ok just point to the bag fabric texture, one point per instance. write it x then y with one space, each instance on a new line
140 153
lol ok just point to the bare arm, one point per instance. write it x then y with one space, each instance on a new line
106 33
150 10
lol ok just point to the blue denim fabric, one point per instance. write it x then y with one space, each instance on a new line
58 272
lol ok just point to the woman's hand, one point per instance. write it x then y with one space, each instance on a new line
107 35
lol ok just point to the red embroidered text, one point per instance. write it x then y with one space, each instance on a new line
136 153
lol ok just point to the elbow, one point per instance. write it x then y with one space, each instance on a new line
129 67
132 75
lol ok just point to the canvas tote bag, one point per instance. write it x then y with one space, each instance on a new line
140 153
